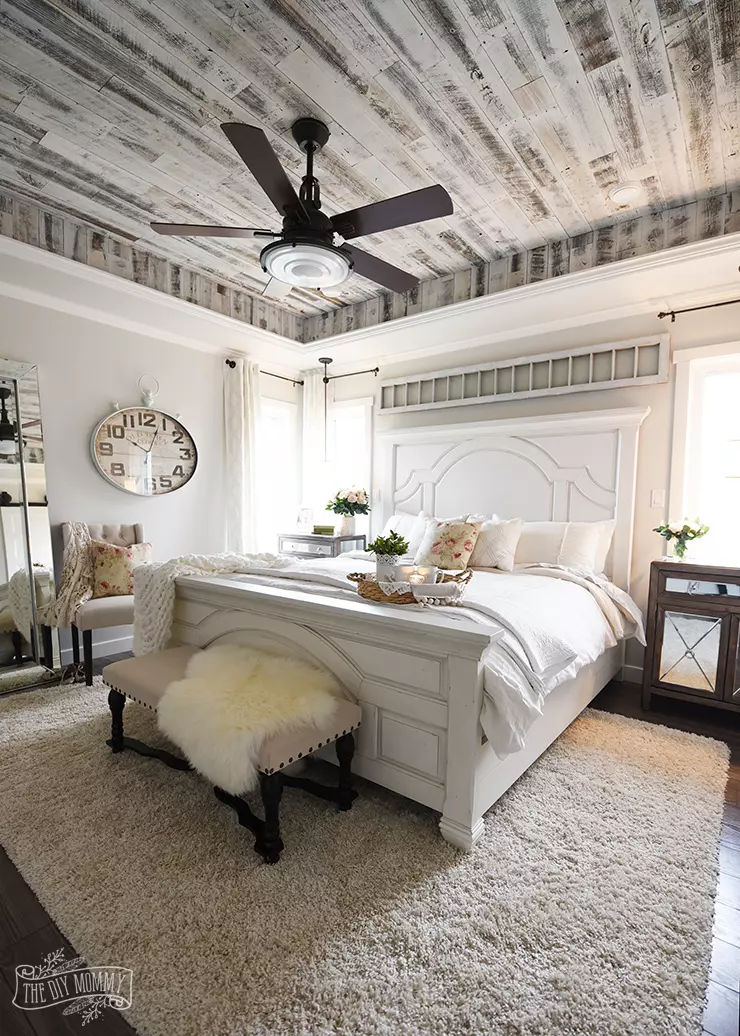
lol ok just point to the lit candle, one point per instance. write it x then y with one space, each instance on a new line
416 577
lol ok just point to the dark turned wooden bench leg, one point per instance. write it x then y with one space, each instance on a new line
117 703
270 844
117 742
345 749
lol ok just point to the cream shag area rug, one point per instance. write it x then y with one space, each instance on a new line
586 908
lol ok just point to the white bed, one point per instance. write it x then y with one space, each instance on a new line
422 676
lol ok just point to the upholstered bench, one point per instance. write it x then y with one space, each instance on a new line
144 680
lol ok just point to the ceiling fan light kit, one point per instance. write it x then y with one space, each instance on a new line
306 264
306 253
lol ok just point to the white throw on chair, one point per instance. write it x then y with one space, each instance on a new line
101 612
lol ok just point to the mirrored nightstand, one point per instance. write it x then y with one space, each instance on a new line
692 634
307 545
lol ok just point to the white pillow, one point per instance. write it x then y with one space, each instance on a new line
496 544
606 535
574 544
540 543
410 526
579 546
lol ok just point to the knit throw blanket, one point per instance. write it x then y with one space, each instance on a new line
234 698
154 590
77 574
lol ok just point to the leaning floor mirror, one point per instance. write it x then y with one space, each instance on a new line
29 645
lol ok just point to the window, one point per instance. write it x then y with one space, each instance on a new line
707 429
348 458
279 472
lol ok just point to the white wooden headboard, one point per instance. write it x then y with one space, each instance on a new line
568 467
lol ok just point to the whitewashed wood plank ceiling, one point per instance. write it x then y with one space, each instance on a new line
527 111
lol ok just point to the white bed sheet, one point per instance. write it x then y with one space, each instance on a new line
555 622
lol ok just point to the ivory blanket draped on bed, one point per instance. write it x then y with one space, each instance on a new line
556 621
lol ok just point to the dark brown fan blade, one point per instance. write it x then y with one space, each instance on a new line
414 207
256 152
379 271
199 230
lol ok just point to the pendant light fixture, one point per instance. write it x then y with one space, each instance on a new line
325 361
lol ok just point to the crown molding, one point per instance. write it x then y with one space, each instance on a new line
42 278
641 286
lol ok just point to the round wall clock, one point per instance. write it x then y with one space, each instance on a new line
144 451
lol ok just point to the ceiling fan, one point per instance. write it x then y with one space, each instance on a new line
311 250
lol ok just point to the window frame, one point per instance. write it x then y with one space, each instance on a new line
692 366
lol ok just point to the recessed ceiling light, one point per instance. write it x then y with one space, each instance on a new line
625 193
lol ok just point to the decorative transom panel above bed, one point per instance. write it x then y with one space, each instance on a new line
567 467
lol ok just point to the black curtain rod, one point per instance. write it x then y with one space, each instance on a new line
293 381
336 377
673 313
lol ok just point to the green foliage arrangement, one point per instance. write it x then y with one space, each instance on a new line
682 532
393 546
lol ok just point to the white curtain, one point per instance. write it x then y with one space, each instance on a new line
316 451
241 428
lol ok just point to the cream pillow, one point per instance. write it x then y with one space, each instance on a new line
606 535
447 545
573 544
113 567
496 544
540 543
579 546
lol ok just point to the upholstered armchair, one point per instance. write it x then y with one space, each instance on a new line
102 612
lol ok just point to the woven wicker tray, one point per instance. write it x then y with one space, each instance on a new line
369 588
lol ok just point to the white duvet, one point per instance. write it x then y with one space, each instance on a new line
555 622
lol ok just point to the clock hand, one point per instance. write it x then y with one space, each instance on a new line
151 445
134 443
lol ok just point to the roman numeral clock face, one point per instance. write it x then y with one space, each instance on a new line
144 451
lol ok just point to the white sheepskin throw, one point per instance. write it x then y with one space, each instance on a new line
232 699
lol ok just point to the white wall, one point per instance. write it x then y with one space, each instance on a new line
690 330
83 368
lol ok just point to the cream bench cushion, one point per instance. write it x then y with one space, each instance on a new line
145 678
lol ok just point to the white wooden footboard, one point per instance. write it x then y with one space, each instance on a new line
417 676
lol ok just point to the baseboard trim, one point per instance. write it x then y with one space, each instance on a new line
632 673
113 646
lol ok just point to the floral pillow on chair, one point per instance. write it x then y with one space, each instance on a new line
113 567
447 545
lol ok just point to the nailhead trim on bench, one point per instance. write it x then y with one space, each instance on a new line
321 744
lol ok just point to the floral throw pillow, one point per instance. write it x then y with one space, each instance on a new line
447 545
113 567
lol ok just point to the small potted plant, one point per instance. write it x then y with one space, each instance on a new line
387 551
682 532
347 503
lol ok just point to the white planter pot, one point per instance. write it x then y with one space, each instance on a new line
346 525
385 567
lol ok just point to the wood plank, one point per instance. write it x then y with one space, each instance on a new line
590 27
614 91
52 1021
12 1021
690 55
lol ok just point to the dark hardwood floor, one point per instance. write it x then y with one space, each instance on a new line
27 932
